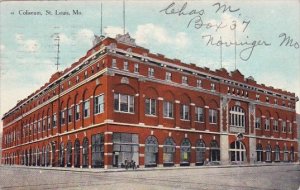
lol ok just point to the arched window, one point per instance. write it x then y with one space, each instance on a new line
200 152
34 158
47 156
277 153
42 156
169 151
259 152
268 153
62 155
285 154
69 154
77 153
97 150
237 117
151 151
237 151
53 148
185 152
85 153
292 154
214 151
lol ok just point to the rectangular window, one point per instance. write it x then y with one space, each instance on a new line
150 106
77 111
97 150
184 112
62 117
267 124
99 104
283 126
275 125
136 68
290 127
213 115
125 66
257 96
199 83
199 112
86 108
184 80
150 72
275 101
257 122
168 109
54 120
114 63
39 126
212 86
49 122
124 103
168 76
267 99
70 112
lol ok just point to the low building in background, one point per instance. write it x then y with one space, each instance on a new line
120 103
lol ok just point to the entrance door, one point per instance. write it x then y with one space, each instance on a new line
237 151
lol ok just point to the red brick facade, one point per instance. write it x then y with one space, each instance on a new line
110 86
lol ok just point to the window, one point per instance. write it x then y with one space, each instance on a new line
199 112
257 96
97 150
70 112
237 151
99 104
169 152
257 122
283 126
69 154
184 80
54 120
213 115
151 151
214 151
69 83
61 155
199 83
267 99
77 111
136 68
77 154
275 101
150 106
277 153
237 117
168 76
292 154
290 127
85 153
268 153
184 112
150 72
283 103
259 152
86 108
62 117
200 152
267 124
285 154
168 109
85 74
212 86
77 79
275 125
49 122
185 152
125 66
114 63
123 103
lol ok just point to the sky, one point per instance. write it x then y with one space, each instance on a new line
28 48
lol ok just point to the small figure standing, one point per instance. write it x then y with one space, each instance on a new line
126 164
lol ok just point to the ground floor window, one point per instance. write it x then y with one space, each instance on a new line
53 153
268 153
259 152
97 150
169 151
237 151
277 153
85 153
47 156
77 153
125 149
61 155
185 152
151 151
285 154
200 152
292 154
69 154
214 151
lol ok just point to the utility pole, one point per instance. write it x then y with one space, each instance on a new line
57 54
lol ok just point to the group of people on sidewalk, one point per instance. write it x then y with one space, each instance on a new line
130 164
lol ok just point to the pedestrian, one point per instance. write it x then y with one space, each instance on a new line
126 164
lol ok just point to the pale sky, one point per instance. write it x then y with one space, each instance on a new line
28 48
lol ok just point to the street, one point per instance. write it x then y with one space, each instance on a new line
283 177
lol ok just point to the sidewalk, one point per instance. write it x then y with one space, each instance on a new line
102 170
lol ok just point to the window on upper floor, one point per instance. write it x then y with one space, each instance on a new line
114 63
267 99
69 83
150 106
290 127
199 114
99 104
199 83
77 79
85 74
184 112
283 103
237 117
123 103
54 120
136 68
62 117
267 124
213 86
168 76
213 116
257 96
151 72
168 110
283 126
70 113
125 65
77 112
275 101
86 108
275 125
184 80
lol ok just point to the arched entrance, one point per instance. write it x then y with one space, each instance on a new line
151 151
237 151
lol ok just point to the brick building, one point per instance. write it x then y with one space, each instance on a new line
120 103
